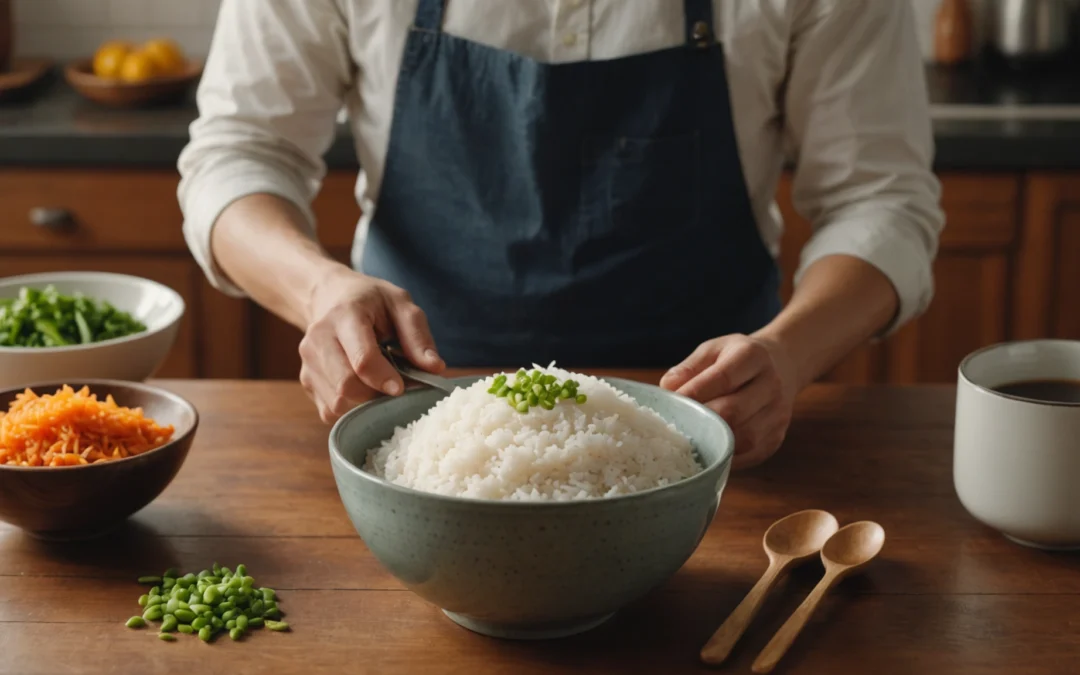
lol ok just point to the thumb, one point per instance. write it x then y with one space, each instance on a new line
702 357
415 337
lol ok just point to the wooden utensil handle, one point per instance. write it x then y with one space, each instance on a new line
779 644
719 646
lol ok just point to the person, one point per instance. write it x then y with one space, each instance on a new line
588 182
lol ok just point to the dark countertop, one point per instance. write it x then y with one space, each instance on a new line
984 120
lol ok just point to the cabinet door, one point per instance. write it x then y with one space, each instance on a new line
1047 295
176 272
971 275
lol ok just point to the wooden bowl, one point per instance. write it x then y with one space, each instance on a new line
22 76
82 502
117 94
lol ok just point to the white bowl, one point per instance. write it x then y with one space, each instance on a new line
133 358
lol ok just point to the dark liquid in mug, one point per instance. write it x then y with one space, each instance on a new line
1050 391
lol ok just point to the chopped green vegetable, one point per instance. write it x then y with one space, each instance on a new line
222 602
166 637
534 388
45 318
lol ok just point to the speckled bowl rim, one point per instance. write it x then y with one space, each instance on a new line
179 435
178 307
708 473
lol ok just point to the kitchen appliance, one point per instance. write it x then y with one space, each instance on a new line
1030 30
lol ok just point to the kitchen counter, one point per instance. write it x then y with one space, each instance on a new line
982 122
947 595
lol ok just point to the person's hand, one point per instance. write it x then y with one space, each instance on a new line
749 381
350 315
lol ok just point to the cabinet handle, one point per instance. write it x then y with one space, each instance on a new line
51 219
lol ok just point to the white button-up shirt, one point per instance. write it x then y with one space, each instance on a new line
837 85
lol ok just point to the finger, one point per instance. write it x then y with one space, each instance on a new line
319 394
415 337
336 387
363 357
308 385
699 360
740 407
736 365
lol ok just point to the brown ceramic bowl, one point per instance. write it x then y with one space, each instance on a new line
119 94
81 502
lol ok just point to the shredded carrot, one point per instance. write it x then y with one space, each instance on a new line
70 428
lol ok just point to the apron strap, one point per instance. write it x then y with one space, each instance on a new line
699 22
429 15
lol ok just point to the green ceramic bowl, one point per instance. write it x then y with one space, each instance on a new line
529 570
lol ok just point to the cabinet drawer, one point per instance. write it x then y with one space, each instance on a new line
176 272
100 210
126 210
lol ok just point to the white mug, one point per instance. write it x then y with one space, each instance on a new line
1016 461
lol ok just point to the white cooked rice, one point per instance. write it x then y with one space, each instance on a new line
472 444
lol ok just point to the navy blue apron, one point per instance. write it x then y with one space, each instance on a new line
592 213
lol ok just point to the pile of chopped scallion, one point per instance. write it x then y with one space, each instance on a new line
533 388
208 603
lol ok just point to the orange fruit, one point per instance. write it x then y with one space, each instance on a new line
167 56
109 58
137 67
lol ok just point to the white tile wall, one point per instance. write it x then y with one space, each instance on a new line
73 28
68 29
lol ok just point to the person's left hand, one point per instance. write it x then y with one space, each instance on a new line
749 381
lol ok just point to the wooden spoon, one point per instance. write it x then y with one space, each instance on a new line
851 548
788 541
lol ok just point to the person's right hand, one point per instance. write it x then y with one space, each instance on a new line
350 315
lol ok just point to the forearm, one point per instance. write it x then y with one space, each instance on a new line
260 242
840 303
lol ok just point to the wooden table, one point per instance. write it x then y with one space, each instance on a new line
949 597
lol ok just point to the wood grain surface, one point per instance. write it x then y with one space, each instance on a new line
947 596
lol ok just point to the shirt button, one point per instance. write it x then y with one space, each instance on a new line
570 39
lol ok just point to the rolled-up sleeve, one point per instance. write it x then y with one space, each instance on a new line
857 118
274 82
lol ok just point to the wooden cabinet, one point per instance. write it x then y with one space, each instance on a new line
1046 295
1009 266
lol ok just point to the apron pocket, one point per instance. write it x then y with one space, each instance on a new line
637 189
